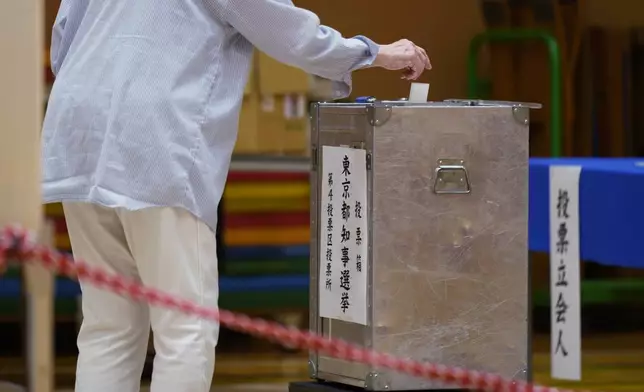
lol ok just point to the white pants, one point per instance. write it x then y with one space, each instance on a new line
166 248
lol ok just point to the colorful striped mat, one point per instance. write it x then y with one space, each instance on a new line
266 216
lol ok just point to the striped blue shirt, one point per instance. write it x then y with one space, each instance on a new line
145 106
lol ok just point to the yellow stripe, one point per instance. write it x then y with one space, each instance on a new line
290 190
62 242
267 236
261 205
54 210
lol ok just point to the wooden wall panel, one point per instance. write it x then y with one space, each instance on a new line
51 9
443 27
615 13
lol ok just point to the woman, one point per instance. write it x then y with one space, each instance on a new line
137 141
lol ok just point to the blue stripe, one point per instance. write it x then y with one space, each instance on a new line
64 288
266 252
263 283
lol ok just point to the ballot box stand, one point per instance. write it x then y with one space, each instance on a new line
419 237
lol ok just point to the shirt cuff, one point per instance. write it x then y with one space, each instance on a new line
342 89
372 50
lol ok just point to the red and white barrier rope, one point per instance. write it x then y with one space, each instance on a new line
17 245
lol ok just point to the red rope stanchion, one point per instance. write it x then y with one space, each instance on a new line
17 245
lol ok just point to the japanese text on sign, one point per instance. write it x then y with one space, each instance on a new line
343 239
564 273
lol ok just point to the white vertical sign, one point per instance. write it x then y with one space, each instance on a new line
565 261
343 235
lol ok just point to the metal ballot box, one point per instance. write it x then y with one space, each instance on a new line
419 237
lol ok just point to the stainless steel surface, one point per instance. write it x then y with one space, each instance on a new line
449 272
452 271
481 102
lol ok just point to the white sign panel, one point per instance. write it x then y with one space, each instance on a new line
564 273
343 235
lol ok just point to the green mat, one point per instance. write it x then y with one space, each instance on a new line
601 292
291 266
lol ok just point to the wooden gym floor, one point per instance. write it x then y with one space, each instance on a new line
611 363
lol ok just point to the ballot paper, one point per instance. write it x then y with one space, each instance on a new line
419 92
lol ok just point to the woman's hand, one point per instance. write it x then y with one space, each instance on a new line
403 55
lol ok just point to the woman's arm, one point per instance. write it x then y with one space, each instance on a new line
294 36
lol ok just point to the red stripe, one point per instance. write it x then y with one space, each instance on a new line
266 176
266 220
60 225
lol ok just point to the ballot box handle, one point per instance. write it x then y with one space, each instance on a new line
451 177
